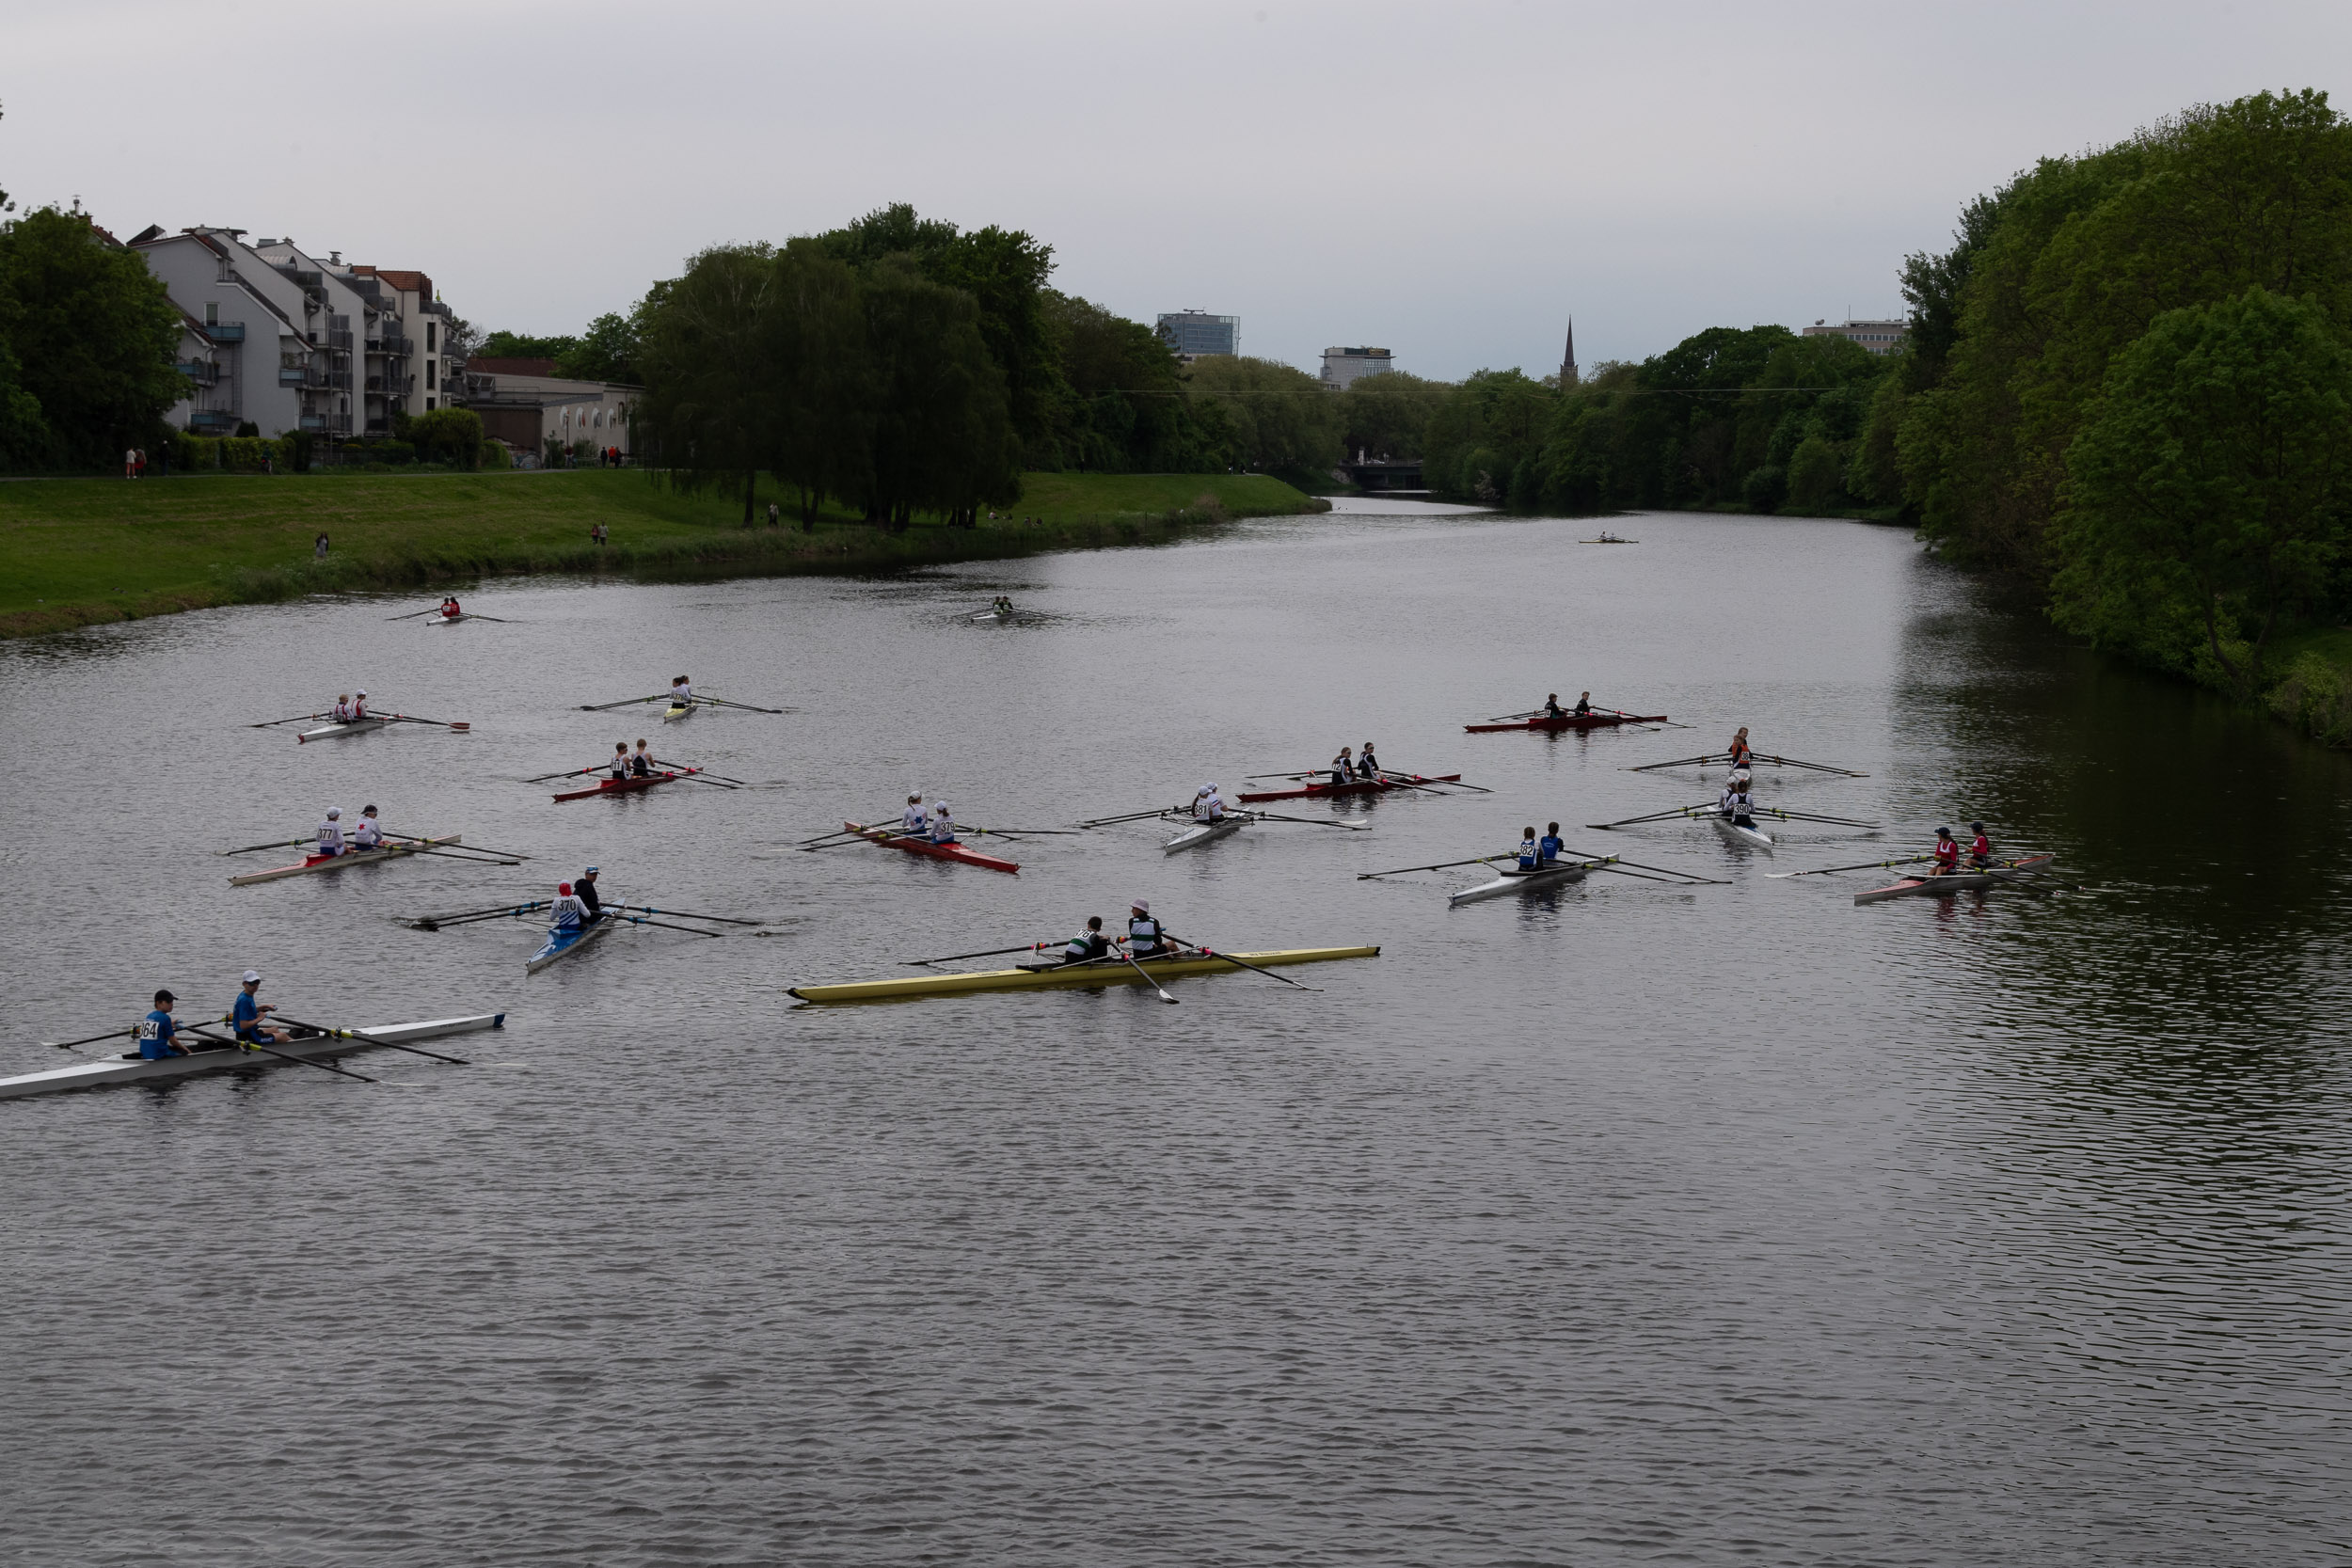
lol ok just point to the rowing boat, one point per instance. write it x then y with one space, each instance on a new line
450 620
622 786
1513 880
563 945
675 711
1738 834
349 726
134 1068
1046 975
1353 786
1570 722
1935 885
336 863
914 845
1199 833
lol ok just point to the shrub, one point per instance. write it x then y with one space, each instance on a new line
1814 475
2316 698
298 448
1764 488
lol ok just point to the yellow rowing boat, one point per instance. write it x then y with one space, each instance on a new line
1041 976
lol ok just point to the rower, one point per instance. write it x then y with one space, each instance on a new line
1145 938
1530 851
641 761
1367 765
449 607
942 827
1088 944
1208 806
1742 755
1553 708
331 833
158 1028
681 692
568 914
369 834
1342 766
342 708
1585 705
1548 849
1980 849
914 822
1735 804
585 891
1003 606
360 707
1946 853
250 1017
618 767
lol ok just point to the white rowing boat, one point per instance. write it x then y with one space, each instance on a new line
1739 834
134 1068
1514 880
336 863
330 732
450 619
563 945
1202 833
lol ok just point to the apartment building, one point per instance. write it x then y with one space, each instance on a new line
251 326
1342 367
420 362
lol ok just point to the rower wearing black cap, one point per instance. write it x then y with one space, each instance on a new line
1946 853
1981 850
585 891
157 1029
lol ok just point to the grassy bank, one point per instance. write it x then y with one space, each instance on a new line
80 552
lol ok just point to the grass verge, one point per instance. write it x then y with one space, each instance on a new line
82 552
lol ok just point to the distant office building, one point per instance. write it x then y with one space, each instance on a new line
1343 366
1878 337
1192 333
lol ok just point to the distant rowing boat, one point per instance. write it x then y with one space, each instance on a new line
1570 722
1514 880
312 1047
337 863
1353 786
624 786
1931 884
1046 975
450 620
344 727
914 845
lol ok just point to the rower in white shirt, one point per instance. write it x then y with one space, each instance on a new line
943 823
681 692
368 834
1735 804
1208 806
914 821
331 832
359 704
341 712
568 912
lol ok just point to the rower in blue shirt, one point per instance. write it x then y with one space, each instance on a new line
1548 849
250 1018
1530 854
157 1029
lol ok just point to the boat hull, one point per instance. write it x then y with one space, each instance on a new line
624 786
337 863
675 711
958 852
1353 786
1933 886
335 732
450 620
136 1070
1754 837
1515 881
1050 977
1199 833
565 946
1571 721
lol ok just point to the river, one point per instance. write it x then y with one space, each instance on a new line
1629 1223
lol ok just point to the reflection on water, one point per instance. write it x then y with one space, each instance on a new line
1618 1223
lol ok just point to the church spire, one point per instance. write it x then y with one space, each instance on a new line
1567 360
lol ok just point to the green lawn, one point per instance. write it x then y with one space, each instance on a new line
81 551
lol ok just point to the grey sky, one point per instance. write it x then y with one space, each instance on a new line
1448 181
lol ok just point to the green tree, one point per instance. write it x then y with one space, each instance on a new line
2214 478
1387 415
1122 407
1815 475
452 435
606 352
517 345
710 410
93 336
1276 417
940 434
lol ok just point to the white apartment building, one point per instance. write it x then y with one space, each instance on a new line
250 327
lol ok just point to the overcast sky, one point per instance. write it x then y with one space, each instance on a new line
1448 181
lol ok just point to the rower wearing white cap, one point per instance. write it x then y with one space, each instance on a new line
368 834
1208 806
585 891
914 822
1145 937
331 833
359 704
250 1017
943 823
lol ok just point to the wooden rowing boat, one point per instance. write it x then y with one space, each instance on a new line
1514 880
914 845
337 863
335 731
1044 975
1570 722
1934 885
563 945
1353 786
624 786
1751 834
1197 833
134 1069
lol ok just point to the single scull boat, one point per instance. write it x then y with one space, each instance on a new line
1045 974
1202 833
336 863
134 1068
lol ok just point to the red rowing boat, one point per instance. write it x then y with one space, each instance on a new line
1571 721
925 846
622 787
1353 786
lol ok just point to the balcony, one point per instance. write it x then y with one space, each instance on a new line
225 332
340 380
391 344
211 421
337 424
314 422
301 375
202 371
338 338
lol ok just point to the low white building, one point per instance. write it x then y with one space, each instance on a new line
1880 336
1343 366
525 404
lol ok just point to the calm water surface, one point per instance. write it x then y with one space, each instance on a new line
1626 1224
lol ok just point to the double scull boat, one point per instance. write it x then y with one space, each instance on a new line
1934 884
917 846
1569 721
1514 880
624 786
563 945
308 1045
336 863
340 728
1353 786
1045 974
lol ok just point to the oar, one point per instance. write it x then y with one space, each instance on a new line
1070 831
599 707
1859 865
412 838
290 719
688 914
1353 824
1808 816
413 614
443 723
1682 762
1251 778
1666 870
747 708
1707 810
667 926
279 844
707 775
904 963
1506 718
477 615
356 1035
1129 816
1816 767
1441 865
1211 952
1440 787
283 1056
1147 979
67 1045
434 921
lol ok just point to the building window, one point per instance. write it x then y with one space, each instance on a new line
212 313
428 367
429 327
428 405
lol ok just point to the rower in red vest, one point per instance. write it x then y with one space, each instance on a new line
1946 853
1980 851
